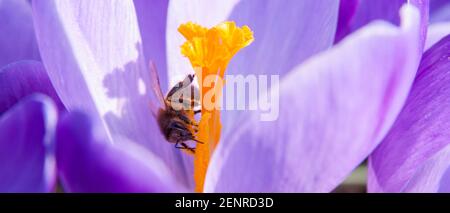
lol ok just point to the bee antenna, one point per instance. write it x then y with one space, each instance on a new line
197 141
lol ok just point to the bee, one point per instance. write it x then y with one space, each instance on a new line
175 115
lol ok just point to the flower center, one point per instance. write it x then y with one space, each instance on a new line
210 51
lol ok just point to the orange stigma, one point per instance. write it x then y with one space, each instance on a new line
210 51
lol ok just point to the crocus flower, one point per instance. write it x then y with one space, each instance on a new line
327 125
337 103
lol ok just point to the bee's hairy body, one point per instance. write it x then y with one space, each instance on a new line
177 125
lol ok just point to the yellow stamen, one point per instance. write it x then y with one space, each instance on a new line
210 51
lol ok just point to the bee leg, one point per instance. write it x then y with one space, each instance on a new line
195 129
178 126
194 126
192 138
182 145
186 119
197 141
188 148
178 145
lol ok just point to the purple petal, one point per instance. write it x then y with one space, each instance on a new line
439 11
26 154
87 162
17 40
364 13
334 110
421 130
368 11
433 175
21 79
347 9
280 43
152 17
93 53
436 32
437 4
